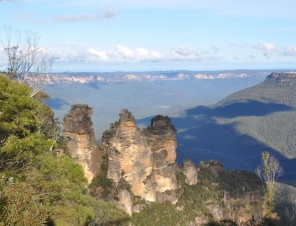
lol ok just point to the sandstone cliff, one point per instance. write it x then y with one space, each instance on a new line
82 143
241 191
139 168
144 159
289 78
141 164
189 170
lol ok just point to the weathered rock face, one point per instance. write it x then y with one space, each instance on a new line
189 170
145 159
82 143
242 205
289 78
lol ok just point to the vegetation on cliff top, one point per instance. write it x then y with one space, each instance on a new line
194 201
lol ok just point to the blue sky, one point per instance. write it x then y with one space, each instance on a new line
140 35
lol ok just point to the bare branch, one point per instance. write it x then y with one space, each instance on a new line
26 62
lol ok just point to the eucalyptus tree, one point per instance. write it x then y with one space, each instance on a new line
26 61
269 172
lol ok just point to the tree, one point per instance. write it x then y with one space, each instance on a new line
26 61
20 140
269 172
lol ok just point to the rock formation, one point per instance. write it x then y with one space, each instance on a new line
189 170
289 78
145 159
141 166
241 205
82 143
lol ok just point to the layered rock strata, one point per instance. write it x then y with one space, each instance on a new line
289 78
82 143
145 159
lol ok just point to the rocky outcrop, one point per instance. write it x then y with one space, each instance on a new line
141 164
289 78
189 170
145 159
82 143
242 205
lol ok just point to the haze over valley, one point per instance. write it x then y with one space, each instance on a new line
144 93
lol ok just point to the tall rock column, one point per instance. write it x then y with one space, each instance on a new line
82 143
145 159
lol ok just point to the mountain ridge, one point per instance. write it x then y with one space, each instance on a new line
122 76
238 128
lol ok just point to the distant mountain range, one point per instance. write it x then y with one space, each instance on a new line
165 93
93 77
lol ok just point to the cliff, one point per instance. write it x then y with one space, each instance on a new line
82 143
242 194
144 159
219 197
288 78
139 173
141 164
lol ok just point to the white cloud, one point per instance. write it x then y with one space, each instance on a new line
267 46
107 13
270 49
142 51
184 53
124 51
101 54
124 54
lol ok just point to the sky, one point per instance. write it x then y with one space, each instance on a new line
136 35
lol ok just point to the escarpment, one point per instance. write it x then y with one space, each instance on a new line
289 78
241 192
145 159
139 169
82 144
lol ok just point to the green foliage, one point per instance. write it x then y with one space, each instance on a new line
62 182
159 214
82 106
25 149
239 181
269 173
20 137
107 213
101 185
107 135
17 109
195 198
20 204
192 202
